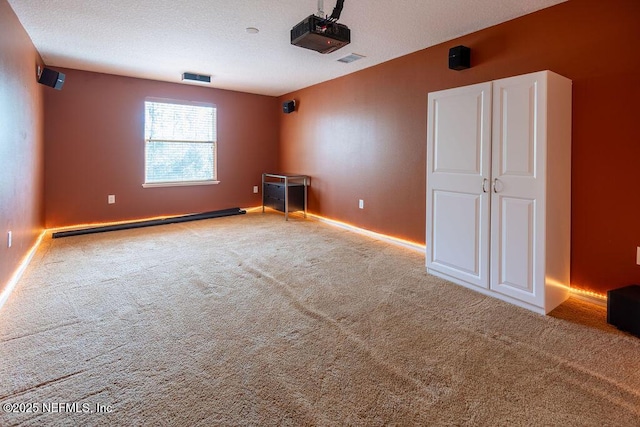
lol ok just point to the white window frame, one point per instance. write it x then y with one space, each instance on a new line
214 147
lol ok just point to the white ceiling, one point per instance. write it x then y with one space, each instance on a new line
161 39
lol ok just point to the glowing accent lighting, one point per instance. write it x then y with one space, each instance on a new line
590 294
4 296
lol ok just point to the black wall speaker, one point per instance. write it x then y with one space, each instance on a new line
289 106
459 58
51 78
623 309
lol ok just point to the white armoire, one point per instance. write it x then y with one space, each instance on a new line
499 188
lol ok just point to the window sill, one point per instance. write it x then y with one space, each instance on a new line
178 184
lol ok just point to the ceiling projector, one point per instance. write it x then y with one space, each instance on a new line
323 35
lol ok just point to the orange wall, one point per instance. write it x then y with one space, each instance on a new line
94 146
21 182
363 136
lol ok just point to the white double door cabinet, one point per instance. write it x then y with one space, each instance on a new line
499 188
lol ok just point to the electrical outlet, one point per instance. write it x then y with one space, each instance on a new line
361 204
638 255
10 239
111 199
255 189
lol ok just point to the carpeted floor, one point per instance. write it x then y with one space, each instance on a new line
251 320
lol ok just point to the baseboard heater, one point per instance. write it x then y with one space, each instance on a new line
150 223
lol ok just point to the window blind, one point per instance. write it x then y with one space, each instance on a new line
180 142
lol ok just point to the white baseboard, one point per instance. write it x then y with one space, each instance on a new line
594 299
10 286
389 239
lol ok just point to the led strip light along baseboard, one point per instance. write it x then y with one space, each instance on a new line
13 281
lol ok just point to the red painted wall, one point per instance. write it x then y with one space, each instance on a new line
21 182
363 136
94 146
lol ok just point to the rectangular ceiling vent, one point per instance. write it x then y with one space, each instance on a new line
198 78
350 58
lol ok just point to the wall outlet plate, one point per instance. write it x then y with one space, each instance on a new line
361 204
255 189
111 199
10 239
638 255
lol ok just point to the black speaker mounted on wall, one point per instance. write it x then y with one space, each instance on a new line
51 78
459 58
289 106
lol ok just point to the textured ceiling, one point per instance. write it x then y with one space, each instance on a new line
161 39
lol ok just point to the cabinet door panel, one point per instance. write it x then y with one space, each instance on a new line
456 234
516 226
516 134
518 197
458 164
458 133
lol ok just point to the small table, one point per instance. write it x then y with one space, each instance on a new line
276 189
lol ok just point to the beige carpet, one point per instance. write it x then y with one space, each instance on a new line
251 320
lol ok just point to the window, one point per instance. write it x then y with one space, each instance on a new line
180 143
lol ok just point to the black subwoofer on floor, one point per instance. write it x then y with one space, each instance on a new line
623 309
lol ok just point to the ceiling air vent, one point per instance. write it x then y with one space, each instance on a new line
198 78
350 58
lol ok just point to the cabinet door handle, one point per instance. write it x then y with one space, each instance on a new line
495 185
484 185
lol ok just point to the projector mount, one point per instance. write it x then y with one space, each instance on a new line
335 15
